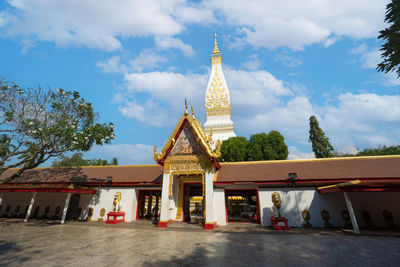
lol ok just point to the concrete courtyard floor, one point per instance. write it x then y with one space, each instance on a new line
47 243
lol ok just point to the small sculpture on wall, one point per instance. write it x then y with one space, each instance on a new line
57 213
278 222
102 213
326 217
367 218
117 202
346 217
276 199
90 214
116 216
389 219
306 217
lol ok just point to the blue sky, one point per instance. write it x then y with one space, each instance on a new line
137 60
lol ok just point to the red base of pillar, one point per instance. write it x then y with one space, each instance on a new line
114 217
163 224
279 223
210 226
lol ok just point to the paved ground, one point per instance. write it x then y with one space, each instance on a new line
140 244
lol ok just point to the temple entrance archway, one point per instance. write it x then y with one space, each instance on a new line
193 203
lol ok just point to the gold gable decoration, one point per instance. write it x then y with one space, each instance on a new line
217 98
204 140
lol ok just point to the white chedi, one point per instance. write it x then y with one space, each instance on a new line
218 101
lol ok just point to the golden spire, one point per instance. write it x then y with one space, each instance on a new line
186 110
216 50
192 110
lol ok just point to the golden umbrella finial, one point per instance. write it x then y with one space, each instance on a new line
216 50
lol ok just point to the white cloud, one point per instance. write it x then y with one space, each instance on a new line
168 43
263 23
287 60
348 149
296 24
365 120
147 59
127 154
370 58
90 23
261 102
253 63
295 153
150 113
110 66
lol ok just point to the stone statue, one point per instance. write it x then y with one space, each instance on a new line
117 202
276 199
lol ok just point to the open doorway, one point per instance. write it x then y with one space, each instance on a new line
149 205
242 205
73 208
193 203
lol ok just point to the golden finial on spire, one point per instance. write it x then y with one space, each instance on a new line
216 50
192 110
186 110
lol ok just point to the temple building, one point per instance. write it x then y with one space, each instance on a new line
189 185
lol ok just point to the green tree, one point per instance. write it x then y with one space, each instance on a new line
234 149
381 150
257 146
114 161
36 125
269 146
391 36
276 148
76 160
320 144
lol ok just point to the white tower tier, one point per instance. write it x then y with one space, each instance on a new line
218 101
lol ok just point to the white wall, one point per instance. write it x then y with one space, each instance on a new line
219 206
307 198
14 199
104 199
43 199
375 203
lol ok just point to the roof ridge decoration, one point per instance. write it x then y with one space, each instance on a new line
204 140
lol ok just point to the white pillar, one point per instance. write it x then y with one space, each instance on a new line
209 194
164 215
351 211
65 207
28 213
1 198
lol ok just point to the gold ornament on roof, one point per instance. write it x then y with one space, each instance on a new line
157 156
186 110
216 50
217 97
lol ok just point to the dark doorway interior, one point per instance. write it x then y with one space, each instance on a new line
73 207
193 203
149 205
242 206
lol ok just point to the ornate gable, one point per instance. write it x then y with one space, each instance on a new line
188 143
